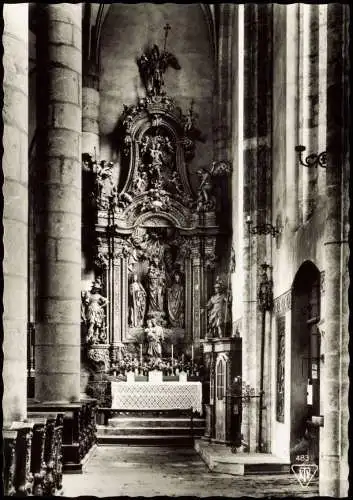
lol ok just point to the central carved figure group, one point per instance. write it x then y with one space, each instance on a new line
157 302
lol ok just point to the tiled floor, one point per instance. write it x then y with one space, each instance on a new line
152 471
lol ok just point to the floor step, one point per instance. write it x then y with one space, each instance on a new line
219 458
154 422
182 440
149 431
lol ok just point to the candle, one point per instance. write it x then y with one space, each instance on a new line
192 353
141 354
172 353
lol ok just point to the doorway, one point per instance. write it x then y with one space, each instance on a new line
305 364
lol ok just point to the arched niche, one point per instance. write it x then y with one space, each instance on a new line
126 31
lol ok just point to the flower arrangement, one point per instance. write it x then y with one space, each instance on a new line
169 366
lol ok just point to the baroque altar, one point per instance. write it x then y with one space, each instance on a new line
155 237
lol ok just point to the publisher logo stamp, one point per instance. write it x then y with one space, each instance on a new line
304 471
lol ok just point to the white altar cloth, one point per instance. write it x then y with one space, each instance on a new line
157 396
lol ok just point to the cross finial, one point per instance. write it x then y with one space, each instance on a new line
166 28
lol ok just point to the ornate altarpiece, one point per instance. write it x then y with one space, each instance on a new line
156 238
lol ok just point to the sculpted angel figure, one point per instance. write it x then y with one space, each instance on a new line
152 66
205 200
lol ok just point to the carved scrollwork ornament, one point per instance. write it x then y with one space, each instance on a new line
210 262
210 251
99 356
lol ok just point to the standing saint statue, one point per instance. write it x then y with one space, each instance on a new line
95 315
155 336
137 302
175 302
156 287
216 308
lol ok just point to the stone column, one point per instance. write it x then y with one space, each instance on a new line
250 144
15 216
90 110
196 294
59 150
334 453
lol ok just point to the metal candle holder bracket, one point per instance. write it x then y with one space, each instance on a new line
312 160
262 229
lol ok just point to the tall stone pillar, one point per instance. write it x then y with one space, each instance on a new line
15 216
59 41
257 184
334 455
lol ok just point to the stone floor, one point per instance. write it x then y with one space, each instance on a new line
156 470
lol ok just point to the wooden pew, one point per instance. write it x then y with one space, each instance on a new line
52 451
38 466
9 447
78 429
21 475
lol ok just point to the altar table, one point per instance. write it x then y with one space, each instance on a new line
157 396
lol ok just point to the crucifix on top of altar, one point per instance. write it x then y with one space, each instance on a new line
154 235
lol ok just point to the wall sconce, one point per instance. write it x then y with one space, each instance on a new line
263 228
312 160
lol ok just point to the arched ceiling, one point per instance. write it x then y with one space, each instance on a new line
97 13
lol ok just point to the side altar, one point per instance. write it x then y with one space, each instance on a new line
154 238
